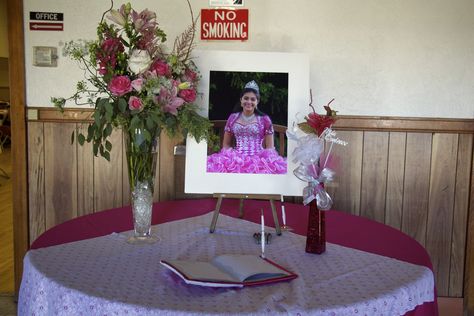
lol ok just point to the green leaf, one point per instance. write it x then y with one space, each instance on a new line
135 123
108 130
100 102
72 137
97 118
108 145
81 139
150 123
306 128
122 105
95 148
147 135
106 155
109 111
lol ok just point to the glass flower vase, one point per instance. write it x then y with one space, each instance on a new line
141 152
316 235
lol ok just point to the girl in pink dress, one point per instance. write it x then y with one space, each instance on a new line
252 130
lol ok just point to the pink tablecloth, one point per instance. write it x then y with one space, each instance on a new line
342 228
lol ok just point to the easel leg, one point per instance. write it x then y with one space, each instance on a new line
216 215
275 218
241 208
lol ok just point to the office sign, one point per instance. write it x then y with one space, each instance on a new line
46 16
46 21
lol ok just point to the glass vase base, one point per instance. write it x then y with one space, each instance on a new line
143 240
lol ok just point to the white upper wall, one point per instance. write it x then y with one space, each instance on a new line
375 57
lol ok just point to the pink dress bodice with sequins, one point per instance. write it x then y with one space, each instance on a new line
249 137
249 154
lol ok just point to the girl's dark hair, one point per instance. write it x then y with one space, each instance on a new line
245 90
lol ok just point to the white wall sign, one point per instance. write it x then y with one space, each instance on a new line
226 3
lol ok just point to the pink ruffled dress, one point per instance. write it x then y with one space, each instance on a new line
248 156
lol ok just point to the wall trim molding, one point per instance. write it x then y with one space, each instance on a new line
345 122
405 124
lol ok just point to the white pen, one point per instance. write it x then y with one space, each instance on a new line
283 213
262 240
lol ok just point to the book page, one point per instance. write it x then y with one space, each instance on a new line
203 271
247 267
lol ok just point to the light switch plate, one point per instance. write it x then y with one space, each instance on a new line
44 56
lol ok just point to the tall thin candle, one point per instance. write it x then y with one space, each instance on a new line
283 213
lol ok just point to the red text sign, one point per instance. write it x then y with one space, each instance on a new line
223 24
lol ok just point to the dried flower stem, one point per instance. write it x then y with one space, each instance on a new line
103 14
311 100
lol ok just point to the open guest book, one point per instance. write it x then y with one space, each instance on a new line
229 271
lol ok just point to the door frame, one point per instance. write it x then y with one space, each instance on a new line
16 63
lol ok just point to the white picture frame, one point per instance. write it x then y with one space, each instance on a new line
197 180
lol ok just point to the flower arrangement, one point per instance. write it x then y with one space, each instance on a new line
316 123
134 83
316 130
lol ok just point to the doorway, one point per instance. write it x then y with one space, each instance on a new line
7 285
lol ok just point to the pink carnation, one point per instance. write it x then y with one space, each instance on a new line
188 95
120 85
161 68
135 104
190 75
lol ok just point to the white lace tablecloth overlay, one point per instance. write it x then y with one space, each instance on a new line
107 276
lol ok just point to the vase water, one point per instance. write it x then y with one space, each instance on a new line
141 151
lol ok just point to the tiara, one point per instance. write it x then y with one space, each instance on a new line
252 85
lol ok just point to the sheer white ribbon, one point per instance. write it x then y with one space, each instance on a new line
307 154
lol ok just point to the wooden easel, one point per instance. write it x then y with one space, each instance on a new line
242 197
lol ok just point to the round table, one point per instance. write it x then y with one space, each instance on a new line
341 228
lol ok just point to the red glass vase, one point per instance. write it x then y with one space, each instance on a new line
316 235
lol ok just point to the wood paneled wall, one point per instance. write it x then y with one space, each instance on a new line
67 181
412 174
415 182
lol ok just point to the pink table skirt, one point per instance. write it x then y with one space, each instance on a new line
341 228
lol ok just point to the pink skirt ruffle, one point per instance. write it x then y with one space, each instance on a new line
230 161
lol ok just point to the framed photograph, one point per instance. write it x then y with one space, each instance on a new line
253 158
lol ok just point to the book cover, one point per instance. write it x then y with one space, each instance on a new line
230 271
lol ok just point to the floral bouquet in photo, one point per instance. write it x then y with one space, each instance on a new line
135 83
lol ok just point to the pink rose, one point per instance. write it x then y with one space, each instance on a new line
135 104
120 85
161 68
137 84
188 95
